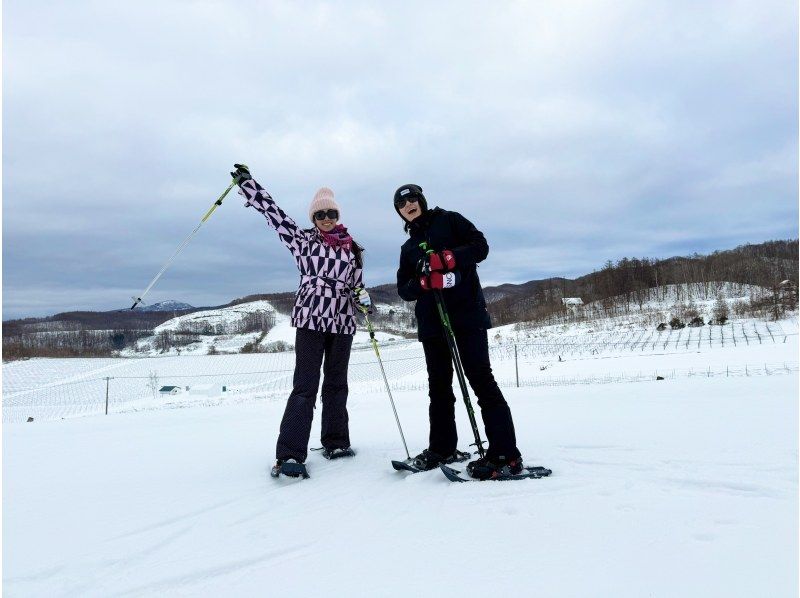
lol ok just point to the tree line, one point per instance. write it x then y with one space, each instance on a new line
631 281
50 339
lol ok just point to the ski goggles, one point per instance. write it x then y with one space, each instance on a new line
329 214
401 202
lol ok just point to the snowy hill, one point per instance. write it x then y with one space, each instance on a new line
231 329
220 330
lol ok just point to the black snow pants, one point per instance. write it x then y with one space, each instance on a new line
310 348
473 345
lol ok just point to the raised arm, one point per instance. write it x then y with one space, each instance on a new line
257 197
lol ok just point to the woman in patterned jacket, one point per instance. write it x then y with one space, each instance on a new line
331 289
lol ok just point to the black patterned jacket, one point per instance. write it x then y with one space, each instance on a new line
328 275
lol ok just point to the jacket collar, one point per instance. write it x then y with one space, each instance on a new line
421 223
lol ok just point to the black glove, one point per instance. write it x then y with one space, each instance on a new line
423 266
241 174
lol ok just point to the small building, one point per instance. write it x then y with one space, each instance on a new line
574 304
169 390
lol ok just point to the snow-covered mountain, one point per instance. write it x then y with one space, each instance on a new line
168 305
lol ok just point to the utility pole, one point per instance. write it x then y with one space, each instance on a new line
107 380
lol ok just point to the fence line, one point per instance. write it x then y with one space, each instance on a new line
88 397
33 389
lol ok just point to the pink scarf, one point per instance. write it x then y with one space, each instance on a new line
337 237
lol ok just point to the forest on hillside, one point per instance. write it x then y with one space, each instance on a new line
630 281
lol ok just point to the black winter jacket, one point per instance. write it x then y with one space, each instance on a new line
466 306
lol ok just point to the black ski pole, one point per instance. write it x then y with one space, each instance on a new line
455 356
371 330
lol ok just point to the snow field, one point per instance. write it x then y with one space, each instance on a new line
609 348
686 487
56 388
582 339
247 377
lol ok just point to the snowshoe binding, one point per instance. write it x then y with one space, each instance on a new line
289 467
338 453
487 468
428 460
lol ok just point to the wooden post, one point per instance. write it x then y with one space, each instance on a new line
107 379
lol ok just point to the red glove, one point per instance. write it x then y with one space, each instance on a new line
443 261
438 280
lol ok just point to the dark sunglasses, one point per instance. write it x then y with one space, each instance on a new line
330 214
401 203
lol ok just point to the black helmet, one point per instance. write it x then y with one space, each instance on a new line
410 190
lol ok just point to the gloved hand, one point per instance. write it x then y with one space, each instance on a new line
241 174
363 300
423 266
442 261
362 297
439 280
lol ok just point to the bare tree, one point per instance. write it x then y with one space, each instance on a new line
721 312
153 385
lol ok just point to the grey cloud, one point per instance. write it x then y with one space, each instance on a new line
570 134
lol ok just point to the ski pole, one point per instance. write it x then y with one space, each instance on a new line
455 356
184 243
371 330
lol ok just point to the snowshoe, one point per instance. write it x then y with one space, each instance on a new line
487 468
289 467
527 473
337 453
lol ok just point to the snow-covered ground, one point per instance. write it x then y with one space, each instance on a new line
684 487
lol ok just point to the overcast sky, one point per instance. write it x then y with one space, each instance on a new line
570 133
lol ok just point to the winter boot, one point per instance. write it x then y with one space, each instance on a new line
336 453
427 459
289 467
488 468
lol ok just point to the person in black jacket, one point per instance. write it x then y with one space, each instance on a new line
458 247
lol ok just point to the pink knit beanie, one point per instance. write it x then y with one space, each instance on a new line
323 200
